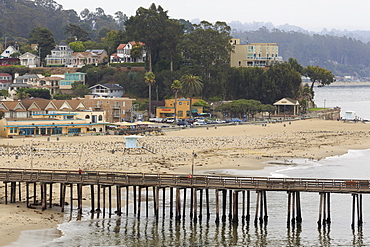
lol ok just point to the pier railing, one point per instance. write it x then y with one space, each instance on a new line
182 180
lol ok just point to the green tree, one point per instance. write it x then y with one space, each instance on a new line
79 89
136 50
319 75
77 46
15 55
77 32
21 93
150 80
38 93
148 26
207 49
192 84
45 40
176 87
4 92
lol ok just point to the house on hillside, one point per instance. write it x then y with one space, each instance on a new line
65 85
123 54
30 60
8 51
61 55
107 90
254 54
5 81
102 55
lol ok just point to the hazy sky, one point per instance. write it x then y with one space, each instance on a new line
313 15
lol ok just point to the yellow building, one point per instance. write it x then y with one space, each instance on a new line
183 108
254 54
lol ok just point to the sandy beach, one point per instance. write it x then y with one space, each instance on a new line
245 147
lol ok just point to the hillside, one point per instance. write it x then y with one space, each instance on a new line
341 55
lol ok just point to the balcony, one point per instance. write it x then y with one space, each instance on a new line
97 106
115 107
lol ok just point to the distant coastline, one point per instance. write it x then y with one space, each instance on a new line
351 83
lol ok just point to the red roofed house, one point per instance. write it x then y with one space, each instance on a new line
123 54
5 81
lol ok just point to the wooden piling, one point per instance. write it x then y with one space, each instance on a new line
191 202
257 208
98 209
217 206
104 205
178 205
235 207
92 200
139 203
63 197
171 202
248 205
119 200
6 192
127 201
200 204
164 202
110 200
147 201
71 196
224 197
207 205
184 204
135 201
50 195
195 205
27 195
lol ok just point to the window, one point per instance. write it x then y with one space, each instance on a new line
100 118
123 103
87 117
123 112
13 130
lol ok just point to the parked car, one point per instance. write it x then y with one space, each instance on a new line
182 123
236 120
170 120
200 122
156 119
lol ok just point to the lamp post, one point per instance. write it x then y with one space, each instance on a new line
192 164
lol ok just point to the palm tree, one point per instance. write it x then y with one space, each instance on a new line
176 87
150 80
21 93
192 85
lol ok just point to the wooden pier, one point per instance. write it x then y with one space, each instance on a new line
230 193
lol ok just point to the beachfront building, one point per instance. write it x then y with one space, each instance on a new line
117 109
58 123
183 108
123 54
46 117
287 107
254 54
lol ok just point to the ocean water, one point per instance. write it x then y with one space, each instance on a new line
131 231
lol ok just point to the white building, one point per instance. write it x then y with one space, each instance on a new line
30 60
